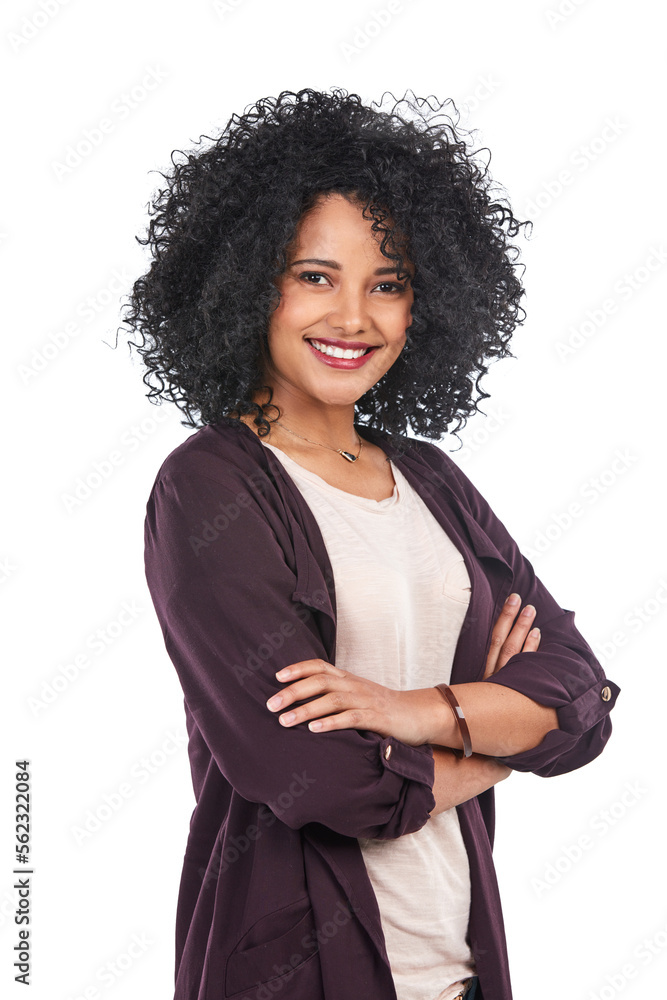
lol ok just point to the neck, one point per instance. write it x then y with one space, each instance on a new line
325 424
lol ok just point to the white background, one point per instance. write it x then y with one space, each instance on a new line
578 91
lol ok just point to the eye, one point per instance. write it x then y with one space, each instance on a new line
385 287
306 275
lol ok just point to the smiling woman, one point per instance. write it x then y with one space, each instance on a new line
343 608
315 334
344 298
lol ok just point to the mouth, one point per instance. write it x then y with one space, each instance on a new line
349 357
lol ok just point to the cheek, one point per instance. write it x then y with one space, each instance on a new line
291 315
404 319
405 309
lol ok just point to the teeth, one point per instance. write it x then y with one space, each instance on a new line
337 352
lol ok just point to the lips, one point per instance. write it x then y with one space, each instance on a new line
320 346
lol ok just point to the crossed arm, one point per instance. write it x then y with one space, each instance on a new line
502 721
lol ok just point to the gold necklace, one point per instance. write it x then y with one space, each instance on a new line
346 454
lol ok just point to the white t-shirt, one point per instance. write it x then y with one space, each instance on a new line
402 591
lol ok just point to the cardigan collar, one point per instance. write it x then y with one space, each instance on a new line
312 560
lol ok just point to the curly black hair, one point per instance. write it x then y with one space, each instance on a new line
220 229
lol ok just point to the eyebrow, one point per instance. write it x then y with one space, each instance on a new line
335 266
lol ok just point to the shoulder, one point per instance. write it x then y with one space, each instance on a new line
224 452
217 477
432 462
428 461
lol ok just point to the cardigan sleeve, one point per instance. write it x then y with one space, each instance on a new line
222 576
563 673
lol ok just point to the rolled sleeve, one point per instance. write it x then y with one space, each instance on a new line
589 708
407 764
564 672
565 675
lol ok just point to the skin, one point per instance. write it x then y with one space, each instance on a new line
349 303
345 299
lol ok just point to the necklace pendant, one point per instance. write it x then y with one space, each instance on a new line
348 456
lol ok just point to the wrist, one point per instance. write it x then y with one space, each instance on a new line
442 725
459 718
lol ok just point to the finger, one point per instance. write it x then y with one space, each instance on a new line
350 719
501 630
321 709
530 645
308 687
532 641
304 668
515 640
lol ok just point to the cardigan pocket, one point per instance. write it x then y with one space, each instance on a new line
456 584
272 950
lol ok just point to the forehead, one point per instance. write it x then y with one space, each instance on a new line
336 223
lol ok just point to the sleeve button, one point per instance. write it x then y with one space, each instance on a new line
387 751
605 693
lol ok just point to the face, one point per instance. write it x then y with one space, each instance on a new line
339 294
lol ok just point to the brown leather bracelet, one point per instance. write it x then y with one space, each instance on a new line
450 698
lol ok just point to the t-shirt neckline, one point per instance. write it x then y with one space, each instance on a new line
312 477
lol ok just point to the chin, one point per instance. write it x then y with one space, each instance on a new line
346 398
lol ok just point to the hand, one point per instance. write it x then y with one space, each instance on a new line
510 636
348 701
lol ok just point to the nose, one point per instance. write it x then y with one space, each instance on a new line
350 310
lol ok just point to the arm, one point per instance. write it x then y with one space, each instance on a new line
504 721
229 623
563 675
544 711
458 779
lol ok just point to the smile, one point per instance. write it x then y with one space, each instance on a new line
338 357
337 352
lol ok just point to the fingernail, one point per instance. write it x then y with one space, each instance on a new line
535 632
274 702
283 674
289 717
528 611
315 725
513 600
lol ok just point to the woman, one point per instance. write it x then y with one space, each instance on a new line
325 277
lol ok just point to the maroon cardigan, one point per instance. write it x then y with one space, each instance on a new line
274 897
